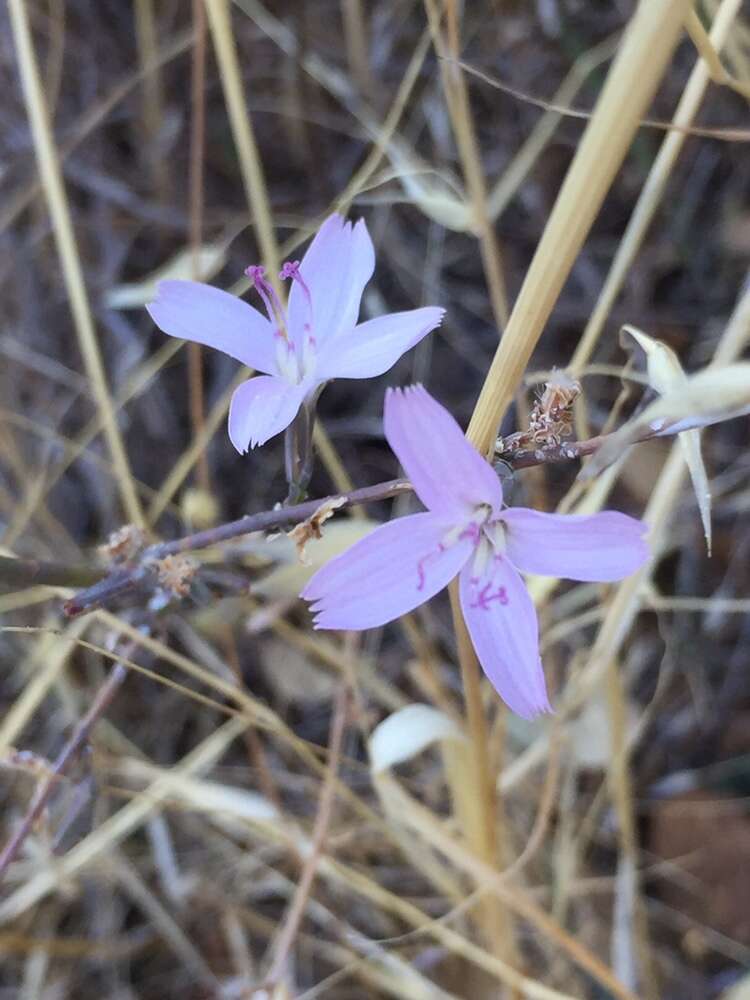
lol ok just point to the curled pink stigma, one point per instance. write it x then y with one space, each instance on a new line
290 270
257 274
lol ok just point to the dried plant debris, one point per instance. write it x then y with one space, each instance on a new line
710 396
312 529
123 545
550 421
666 375
175 573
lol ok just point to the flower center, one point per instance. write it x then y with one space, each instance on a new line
471 530
488 555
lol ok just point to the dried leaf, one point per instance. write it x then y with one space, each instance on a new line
666 375
312 528
438 204
202 795
708 397
662 364
211 258
431 192
408 732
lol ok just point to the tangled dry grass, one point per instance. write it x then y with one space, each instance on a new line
219 802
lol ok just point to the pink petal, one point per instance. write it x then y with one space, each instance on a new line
448 474
260 408
338 264
374 347
599 547
501 620
207 315
399 566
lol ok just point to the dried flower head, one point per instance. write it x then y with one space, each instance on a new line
551 419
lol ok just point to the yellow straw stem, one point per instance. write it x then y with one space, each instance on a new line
220 23
638 67
67 249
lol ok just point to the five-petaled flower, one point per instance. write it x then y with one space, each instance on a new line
315 339
466 531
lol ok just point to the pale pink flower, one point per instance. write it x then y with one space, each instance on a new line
466 531
316 338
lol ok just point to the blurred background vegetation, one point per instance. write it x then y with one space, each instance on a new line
173 857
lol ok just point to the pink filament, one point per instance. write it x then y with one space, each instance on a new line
290 269
257 274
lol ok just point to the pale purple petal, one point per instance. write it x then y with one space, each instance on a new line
375 346
399 566
596 547
449 475
207 315
338 264
260 408
501 620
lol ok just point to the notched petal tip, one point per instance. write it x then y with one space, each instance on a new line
540 707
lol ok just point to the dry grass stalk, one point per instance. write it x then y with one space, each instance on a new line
251 169
412 867
631 83
57 203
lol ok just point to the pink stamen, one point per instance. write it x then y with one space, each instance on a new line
290 270
257 274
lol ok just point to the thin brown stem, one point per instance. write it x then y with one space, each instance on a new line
72 748
285 940
123 579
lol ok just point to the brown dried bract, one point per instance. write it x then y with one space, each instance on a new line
176 573
123 545
312 528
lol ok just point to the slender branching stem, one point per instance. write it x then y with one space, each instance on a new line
141 573
69 752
